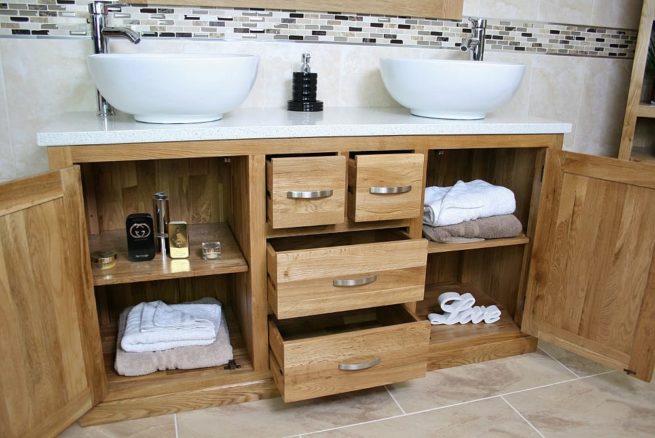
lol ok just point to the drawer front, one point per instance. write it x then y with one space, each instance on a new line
333 364
386 187
306 191
326 280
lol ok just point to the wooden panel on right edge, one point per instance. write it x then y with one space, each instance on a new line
592 281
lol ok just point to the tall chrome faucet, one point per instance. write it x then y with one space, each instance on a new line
475 44
99 10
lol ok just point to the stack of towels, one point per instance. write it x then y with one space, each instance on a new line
154 336
459 309
468 212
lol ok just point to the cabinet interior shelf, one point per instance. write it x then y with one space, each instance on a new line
646 110
170 381
462 336
125 271
434 247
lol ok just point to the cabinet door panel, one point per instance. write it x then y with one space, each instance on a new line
50 350
591 284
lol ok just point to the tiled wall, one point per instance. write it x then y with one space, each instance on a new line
44 75
66 18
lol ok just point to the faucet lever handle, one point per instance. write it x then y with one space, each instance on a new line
114 7
478 22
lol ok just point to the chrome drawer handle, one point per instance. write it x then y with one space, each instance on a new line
360 366
354 283
318 194
389 190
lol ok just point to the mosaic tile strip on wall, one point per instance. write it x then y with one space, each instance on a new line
68 18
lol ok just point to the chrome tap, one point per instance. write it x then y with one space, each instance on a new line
475 44
99 10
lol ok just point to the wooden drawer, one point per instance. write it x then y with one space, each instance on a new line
306 191
385 187
344 272
330 354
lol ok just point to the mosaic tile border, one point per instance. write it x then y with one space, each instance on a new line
68 18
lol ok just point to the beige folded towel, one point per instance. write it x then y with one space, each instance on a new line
183 358
494 227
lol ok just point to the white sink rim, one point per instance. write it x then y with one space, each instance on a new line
174 88
424 87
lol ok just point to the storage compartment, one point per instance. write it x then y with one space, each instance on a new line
331 273
336 353
385 186
306 191
494 276
113 299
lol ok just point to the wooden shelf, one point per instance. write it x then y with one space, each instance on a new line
170 381
434 247
642 155
125 271
646 110
462 344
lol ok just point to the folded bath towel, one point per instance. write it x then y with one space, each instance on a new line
465 202
136 340
217 353
495 227
158 315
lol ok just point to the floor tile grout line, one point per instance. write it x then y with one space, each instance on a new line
345 426
522 417
394 399
558 361
177 434
556 383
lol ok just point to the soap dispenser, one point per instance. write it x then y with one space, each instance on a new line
304 89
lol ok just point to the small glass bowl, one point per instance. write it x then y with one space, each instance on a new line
103 259
211 250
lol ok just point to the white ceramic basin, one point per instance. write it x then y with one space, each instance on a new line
174 88
447 89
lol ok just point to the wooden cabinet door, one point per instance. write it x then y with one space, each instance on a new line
50 352
592 277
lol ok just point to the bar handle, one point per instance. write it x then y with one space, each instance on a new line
360 366
317 194
389 190
355 282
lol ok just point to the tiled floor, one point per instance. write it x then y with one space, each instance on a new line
550 393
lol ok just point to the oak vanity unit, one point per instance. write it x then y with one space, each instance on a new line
325 277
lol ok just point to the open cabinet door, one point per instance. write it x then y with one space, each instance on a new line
591 286
50 352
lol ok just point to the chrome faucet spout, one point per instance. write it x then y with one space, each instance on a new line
475 44
121 32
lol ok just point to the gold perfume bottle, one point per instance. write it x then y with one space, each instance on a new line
178 240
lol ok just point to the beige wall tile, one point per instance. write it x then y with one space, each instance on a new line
7 167
510 9
610 405
520 103
43 79
599 122
274 418
471 382
471 8
566 11
154 427
616 13
556 85
486 418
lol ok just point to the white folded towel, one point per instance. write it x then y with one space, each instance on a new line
163 338
465 202
158 315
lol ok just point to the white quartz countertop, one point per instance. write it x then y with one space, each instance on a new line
85 128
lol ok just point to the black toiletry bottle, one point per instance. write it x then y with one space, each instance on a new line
140 237
304 89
